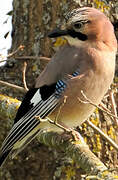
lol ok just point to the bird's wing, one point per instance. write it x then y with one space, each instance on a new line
37 102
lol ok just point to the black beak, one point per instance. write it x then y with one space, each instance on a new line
57 33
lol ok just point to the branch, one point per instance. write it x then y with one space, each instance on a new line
32 57
4 83
77 150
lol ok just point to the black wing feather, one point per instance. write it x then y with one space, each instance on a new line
25 105
25 121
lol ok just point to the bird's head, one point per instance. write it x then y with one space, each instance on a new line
86 24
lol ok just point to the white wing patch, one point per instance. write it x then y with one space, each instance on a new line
36 98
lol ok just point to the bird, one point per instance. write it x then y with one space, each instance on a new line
84 65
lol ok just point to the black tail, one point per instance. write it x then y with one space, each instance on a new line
3 157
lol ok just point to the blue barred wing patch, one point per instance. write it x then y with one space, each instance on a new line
76 73
61 85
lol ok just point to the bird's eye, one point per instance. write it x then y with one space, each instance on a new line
78 25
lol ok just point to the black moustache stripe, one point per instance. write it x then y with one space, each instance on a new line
79 35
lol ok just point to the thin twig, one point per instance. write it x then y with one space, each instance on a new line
4 58
109 140
75 135
52 122
55 121
103 107
13 86
20 48
26 58
32 57
45 58
24 76
88 101
113 104
58 113
105 136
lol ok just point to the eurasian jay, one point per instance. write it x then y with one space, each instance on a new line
85 64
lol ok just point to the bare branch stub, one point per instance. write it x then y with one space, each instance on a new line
24 75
